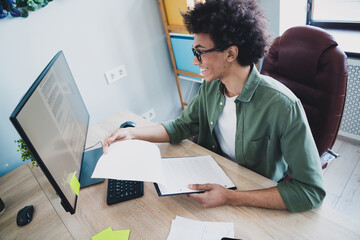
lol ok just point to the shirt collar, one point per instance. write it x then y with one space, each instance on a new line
250 86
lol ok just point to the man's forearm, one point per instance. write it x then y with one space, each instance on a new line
266 198
155 133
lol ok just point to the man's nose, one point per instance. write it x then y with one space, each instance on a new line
195 61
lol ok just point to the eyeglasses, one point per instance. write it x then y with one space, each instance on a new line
198 54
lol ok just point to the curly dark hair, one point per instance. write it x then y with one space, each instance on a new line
232 22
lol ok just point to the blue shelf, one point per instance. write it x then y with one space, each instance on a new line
182 44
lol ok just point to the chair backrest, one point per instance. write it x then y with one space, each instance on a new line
308 61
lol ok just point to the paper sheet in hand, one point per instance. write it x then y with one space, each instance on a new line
180 172
131 160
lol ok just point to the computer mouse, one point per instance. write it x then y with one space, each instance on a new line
128 124
25 215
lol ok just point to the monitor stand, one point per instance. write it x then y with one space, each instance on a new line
87 167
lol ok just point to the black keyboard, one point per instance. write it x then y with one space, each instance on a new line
123 190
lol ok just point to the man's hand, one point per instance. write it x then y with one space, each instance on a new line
118 135
153 133
214 195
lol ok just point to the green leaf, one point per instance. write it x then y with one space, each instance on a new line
24 13
43 4
21 3
32 6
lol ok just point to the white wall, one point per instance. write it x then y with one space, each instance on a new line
272 12
292 13
283 14
95 37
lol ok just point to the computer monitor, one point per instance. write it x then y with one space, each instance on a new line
53 121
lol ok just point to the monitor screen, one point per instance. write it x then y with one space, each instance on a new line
52 120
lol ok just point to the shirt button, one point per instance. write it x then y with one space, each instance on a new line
221 103
211 123
213 146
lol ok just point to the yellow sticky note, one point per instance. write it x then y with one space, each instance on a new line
109 234
104 235
75 184
121 234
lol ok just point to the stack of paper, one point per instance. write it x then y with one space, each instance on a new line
183 228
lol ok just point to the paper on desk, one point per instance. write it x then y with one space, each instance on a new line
183 228
131 160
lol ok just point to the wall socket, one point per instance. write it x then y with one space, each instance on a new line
149 115
115 74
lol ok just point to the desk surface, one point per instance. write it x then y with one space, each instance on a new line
150 217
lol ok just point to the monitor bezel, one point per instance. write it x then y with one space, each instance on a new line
13 118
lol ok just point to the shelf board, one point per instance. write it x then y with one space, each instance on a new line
191 74
188 78
173 28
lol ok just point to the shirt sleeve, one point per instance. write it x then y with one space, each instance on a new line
305 189
187 125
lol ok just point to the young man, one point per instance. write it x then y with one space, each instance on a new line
251 119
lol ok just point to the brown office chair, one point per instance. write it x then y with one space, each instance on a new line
308 61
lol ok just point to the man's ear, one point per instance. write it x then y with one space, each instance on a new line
232 52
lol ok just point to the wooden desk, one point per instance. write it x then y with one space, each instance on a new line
150 217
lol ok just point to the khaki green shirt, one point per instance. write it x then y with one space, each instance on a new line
272 137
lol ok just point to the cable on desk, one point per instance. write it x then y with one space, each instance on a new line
94 145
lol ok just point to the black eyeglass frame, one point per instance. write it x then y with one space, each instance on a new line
198 53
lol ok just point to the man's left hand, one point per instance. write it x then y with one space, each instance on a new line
214 195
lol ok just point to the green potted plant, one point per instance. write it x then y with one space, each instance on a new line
25 153
20 8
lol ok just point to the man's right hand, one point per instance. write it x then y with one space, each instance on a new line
154 133
118 135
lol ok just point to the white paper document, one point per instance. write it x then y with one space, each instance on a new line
180 172
183 228
141 161
131 160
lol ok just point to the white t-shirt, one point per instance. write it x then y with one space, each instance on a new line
225 128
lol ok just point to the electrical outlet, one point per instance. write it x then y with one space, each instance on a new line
115 74
149 115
